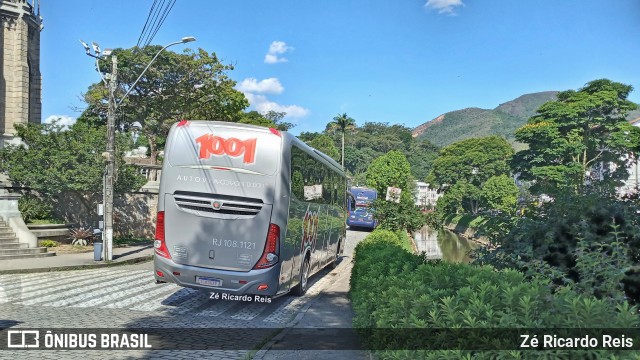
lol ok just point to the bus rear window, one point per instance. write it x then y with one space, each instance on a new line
211 147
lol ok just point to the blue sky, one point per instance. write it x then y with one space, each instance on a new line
389 61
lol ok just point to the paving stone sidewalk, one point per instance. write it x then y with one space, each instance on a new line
121 256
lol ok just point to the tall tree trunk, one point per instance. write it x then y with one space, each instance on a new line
342 150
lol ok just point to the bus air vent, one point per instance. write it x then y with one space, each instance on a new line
214 204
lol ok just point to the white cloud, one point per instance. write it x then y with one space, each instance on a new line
254 90
62 120
263 105
266 86
444 6
273 59
279 47
276 48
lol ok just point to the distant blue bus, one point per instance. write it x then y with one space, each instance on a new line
360 215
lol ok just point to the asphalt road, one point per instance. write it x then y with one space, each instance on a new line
127 297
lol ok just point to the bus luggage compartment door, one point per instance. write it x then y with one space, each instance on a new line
225 240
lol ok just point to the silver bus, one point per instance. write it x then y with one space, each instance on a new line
246 210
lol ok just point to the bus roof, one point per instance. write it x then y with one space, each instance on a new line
314 151
284 134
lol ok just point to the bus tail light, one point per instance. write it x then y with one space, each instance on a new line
159 244
270 253
275 132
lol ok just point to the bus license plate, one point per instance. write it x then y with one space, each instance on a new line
208 281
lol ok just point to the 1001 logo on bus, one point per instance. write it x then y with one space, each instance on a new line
216 145
310 229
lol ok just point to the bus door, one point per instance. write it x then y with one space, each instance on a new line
351 202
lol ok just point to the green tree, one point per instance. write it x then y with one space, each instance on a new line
390 170
255 118
472 160
326 145
271 119
342 123
277 118
383 137
403 216
192 85
357 160
450 203
421 155
54 160
461 197
375 139
582 139
393 170
308 136
501 193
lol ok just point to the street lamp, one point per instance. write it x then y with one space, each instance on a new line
110 153
185 39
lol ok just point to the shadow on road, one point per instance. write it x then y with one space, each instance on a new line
132 252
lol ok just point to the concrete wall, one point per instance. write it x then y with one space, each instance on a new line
134 213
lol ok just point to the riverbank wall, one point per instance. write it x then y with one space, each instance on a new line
468 226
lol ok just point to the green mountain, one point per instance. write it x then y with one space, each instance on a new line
474 122
634 116
504 120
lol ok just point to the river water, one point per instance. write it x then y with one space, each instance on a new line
443 244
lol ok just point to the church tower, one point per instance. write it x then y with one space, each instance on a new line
20 78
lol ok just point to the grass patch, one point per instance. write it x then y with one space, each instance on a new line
44 221
453 219
71 249
463 222
477 221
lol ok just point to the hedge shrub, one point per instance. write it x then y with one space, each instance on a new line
393 288
33 208
589 241
48 243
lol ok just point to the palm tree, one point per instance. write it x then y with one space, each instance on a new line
342 123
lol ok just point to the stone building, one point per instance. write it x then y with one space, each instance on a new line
20 78
20 103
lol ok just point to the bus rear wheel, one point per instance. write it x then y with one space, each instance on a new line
301 288
334 263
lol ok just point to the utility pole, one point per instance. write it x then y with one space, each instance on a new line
110 154
111 161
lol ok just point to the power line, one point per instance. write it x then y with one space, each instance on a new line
154 22
164 16
158 13
146 23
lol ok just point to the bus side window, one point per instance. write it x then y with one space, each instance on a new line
351 202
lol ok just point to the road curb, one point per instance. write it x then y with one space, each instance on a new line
78 267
